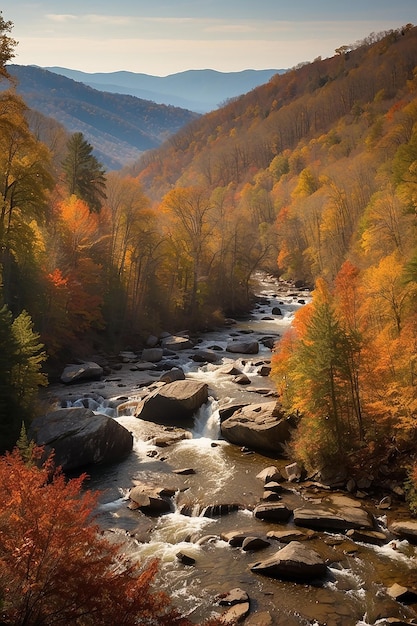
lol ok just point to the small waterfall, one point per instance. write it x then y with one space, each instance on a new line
207 422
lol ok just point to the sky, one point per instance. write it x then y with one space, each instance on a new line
162 37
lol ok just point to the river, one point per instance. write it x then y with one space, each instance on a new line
354 594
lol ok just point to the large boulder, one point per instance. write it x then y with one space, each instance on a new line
81 372
174 403
258 426
78 437
294 562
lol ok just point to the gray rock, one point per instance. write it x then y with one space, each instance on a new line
143 366
260 427
243 347
242 379
205 356
84 371
153 355
174 403
152 341
294 562
230 370
78 437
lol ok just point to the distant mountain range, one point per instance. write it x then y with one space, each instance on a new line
119 127
196 90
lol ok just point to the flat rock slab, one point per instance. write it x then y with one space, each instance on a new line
367 536
272 512
340 513
293 562
407 529
286 536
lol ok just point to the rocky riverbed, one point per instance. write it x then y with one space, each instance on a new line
238 529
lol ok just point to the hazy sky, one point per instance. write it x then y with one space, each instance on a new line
162 37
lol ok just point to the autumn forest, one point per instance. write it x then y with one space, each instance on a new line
311 177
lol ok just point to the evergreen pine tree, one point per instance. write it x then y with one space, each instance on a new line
84 173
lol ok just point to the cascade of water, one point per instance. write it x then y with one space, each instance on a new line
207 421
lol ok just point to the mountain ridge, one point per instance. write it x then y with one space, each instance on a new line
119 126
197 90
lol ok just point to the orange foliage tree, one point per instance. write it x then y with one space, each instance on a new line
55 565
317 371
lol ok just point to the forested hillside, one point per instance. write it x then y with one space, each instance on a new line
311 176
120 127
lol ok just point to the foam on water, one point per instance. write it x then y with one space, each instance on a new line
398 550
174 529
